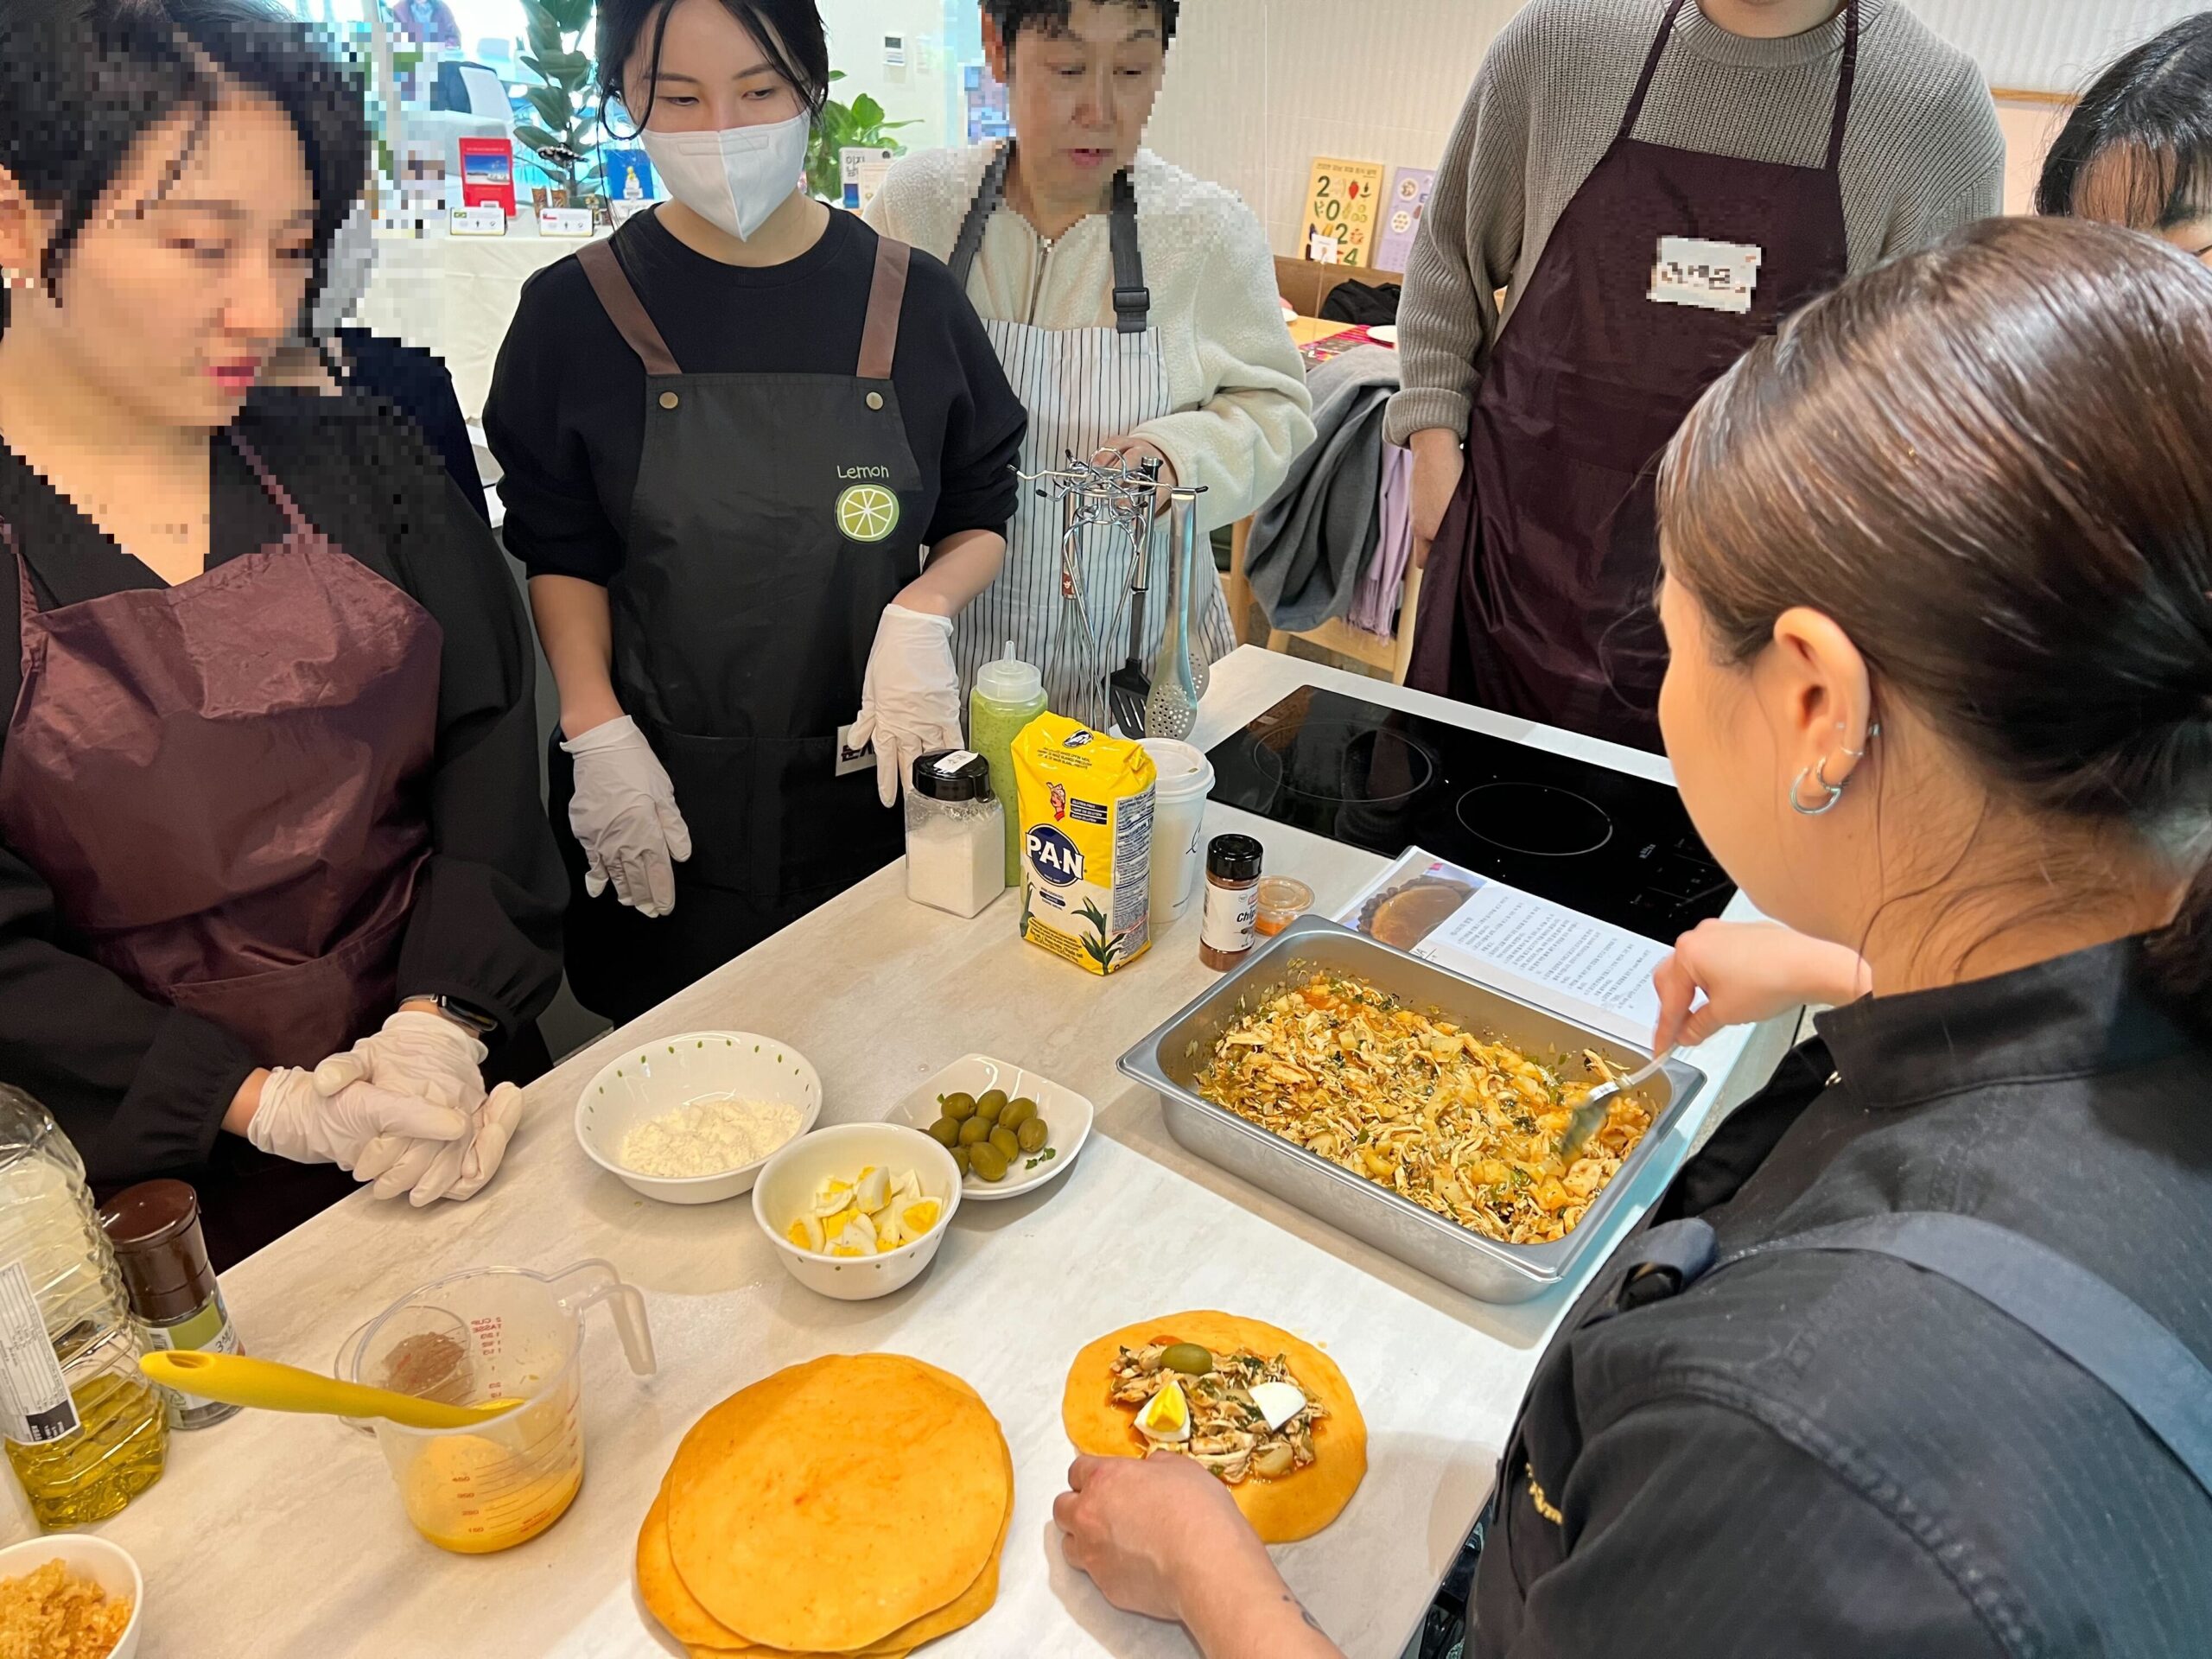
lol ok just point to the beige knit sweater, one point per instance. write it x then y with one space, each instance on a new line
1923 154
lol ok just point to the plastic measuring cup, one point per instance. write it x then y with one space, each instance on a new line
502 1482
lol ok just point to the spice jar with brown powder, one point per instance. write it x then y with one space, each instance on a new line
174 1301
1228 931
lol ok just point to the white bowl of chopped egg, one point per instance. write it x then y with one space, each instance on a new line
858 1209
71 1614
694 1119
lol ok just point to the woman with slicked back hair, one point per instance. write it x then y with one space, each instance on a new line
1912 1358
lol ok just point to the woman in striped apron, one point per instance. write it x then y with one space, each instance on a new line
1133 306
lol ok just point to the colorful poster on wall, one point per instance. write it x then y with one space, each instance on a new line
629 182
629 173
1342 202
1402 210
487 174
854 161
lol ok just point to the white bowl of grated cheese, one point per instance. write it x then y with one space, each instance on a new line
691 1119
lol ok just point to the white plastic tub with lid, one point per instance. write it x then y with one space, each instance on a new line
1179 822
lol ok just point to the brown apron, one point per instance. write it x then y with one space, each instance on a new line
223 786
1544 569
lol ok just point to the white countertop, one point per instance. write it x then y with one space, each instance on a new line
272 1535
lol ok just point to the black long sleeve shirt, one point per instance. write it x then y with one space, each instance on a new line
417 386
567 411
1831 1454
141 1087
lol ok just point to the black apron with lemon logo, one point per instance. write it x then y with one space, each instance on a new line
776 515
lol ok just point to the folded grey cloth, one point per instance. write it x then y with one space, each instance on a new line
1314 535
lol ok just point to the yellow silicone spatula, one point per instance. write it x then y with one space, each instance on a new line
241 1380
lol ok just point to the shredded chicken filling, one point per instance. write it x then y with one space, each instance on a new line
1467 1128
1230 1435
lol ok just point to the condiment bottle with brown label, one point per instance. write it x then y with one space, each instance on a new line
154 1229
1229 929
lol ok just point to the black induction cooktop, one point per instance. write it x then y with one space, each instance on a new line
1600 842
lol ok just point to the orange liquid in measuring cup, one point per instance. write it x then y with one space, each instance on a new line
475 1496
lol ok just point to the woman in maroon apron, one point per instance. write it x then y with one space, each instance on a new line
1665 268
269 767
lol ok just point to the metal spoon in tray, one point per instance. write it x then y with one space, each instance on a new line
1591 1112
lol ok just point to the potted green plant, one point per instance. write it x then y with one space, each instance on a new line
565 138
857 125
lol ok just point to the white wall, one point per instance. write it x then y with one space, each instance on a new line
924 90
2049 46
1257 88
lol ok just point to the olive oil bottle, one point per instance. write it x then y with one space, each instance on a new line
85 1432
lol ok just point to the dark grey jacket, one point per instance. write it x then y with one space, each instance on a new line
1313 537
1827 1453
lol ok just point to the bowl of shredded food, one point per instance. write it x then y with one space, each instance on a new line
1412 1107
1415 1102
692 1119
70 1597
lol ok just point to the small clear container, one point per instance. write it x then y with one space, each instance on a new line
955 833
1283 899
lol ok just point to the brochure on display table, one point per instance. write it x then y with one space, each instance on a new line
1573 965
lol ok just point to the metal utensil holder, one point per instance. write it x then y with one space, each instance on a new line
1102 493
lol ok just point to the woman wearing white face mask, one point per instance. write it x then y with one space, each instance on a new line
757 458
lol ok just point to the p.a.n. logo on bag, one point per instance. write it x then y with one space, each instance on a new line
1085 801
1054 857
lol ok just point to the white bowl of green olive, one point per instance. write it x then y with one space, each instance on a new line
983 1105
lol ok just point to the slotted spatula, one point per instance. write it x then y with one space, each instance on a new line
1129 688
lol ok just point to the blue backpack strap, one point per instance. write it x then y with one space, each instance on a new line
2085 1318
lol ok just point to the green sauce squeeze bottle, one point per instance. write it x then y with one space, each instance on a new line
1009 693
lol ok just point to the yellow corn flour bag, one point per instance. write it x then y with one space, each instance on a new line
1086 843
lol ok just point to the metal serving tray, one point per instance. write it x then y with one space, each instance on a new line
1171 1056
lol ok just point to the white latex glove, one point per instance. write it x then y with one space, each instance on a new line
297 1120
909 702
623 813
416 1052
429 1170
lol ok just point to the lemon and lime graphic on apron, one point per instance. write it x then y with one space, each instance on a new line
867 512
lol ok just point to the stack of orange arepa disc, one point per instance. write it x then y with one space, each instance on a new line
853 1506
